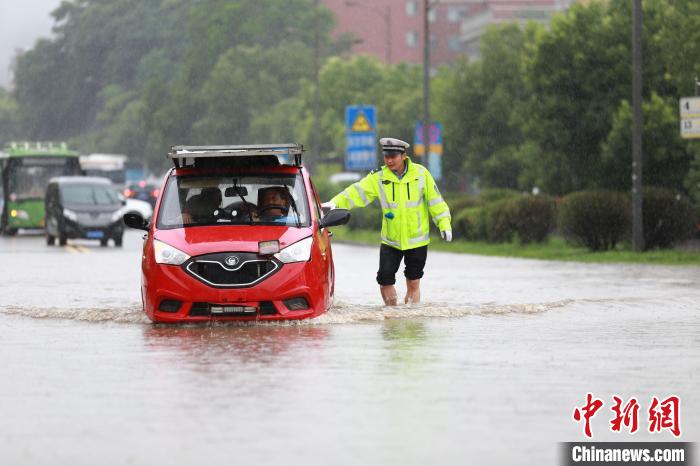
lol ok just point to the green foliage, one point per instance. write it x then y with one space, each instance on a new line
96 44
597 220
527 218
394 89
9 124
466 223
666 161
533 218
542 106
497 194
479 103
668 218
459 201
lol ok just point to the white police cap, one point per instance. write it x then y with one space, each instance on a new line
393 144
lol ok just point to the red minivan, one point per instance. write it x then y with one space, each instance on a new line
237 234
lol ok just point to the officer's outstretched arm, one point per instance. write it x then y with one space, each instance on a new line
358 194
439 211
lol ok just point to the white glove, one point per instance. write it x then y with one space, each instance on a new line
328 205
446 235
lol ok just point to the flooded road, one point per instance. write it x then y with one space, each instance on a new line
487 371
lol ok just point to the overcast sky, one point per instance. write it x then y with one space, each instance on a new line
22 22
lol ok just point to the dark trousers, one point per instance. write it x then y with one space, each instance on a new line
390 260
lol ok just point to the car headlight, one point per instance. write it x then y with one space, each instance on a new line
70 215
21 214
297 252
166 254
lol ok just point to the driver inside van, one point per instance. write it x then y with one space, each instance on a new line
273 204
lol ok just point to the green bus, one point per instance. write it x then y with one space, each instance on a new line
25 171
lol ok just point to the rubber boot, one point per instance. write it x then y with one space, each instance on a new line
388 295
412 291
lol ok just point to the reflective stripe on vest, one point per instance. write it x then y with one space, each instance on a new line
435 201
442 215
420 224
419 239
361 191
347 196
392 243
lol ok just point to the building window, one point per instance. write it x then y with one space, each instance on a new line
412 38
411 7
431 15
456 13
454 44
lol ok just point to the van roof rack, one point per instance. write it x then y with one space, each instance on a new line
246 155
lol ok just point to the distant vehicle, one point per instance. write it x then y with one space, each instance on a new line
135 172
142 190
237 235
112 166
25 170
135 206
83 207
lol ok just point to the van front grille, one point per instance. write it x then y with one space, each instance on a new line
231 270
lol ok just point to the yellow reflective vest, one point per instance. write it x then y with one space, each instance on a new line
406 204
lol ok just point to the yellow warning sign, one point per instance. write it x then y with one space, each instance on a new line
361 123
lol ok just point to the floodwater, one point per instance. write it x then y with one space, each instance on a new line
486 371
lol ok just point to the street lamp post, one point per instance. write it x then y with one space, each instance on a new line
427 4
386 16
637 225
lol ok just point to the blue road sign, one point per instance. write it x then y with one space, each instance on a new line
434 161
360 137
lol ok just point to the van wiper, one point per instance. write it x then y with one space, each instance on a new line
247 207
296 211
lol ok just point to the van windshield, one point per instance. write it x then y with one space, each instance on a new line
197 200
85 194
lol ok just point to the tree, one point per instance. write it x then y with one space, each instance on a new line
666 161
480 103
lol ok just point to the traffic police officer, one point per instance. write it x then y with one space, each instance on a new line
407 194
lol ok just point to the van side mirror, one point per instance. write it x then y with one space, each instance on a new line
335 217
134 220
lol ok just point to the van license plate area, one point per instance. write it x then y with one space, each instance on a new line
233 310
95 234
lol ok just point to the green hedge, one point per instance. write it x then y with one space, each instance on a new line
533 218
667 218
527 218
597 220
466 223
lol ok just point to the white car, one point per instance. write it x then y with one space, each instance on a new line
135 206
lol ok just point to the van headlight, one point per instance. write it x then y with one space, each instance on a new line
297 252
166 254
70 215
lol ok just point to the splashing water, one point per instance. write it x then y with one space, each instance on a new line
341 313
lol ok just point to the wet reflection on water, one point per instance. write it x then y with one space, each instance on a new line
235 343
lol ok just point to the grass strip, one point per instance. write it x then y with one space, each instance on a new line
554 249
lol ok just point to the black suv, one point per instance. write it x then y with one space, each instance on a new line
83 207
